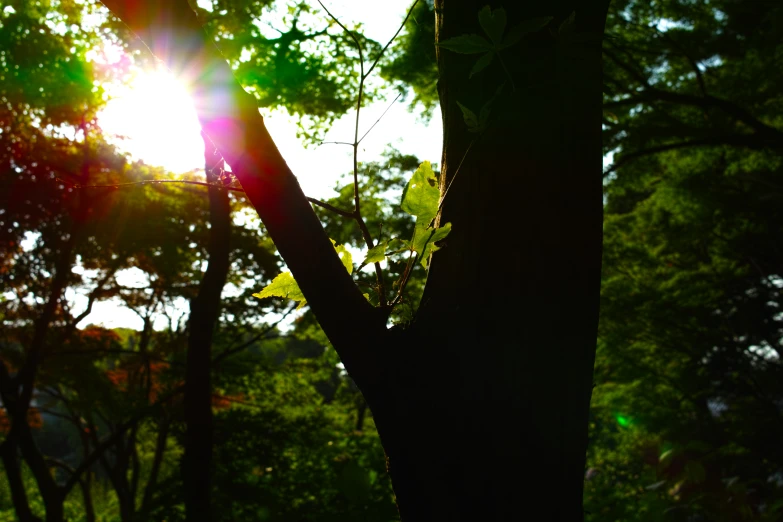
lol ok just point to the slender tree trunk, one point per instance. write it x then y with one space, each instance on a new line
89 508
204 310
13 473
157 460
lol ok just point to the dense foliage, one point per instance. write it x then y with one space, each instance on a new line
687 412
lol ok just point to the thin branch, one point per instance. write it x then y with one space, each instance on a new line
740 140
331 208
377 58
440 205
691 61
651 93
357 210
336 143
260 336
150 181
381 117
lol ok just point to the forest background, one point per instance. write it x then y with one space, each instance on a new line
686 411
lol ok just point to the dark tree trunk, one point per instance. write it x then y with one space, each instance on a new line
13 473
500 402
157 460
204 310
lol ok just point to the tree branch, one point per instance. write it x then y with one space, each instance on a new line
229 116
736 140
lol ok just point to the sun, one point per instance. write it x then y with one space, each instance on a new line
154 119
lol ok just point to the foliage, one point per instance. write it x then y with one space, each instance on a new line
302 62
686 409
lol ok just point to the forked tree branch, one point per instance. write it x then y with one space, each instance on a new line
230 117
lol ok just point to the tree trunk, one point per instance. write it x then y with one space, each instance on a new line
13 473
487 420
204 310
157 460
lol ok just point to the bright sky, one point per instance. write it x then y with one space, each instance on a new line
154 120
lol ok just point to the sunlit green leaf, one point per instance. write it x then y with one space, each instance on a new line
467 44
376 254
424 242
422 194
284 285
493 22
345 256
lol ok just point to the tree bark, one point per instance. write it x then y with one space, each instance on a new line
482 410
501 401
204 311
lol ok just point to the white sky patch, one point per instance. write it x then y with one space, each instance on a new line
153 119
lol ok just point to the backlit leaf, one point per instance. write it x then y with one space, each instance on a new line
422 194
425 239
284 285
345 256
376 254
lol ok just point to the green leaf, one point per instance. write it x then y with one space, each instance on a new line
422 194
493 22
284 285
467 44
482 63
376 254
345 256
425 238
470 118
397 246
526 27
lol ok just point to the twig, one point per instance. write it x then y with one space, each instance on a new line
260 336
335 143
440 205
374 63
148 181
331 208
357 211
381 117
